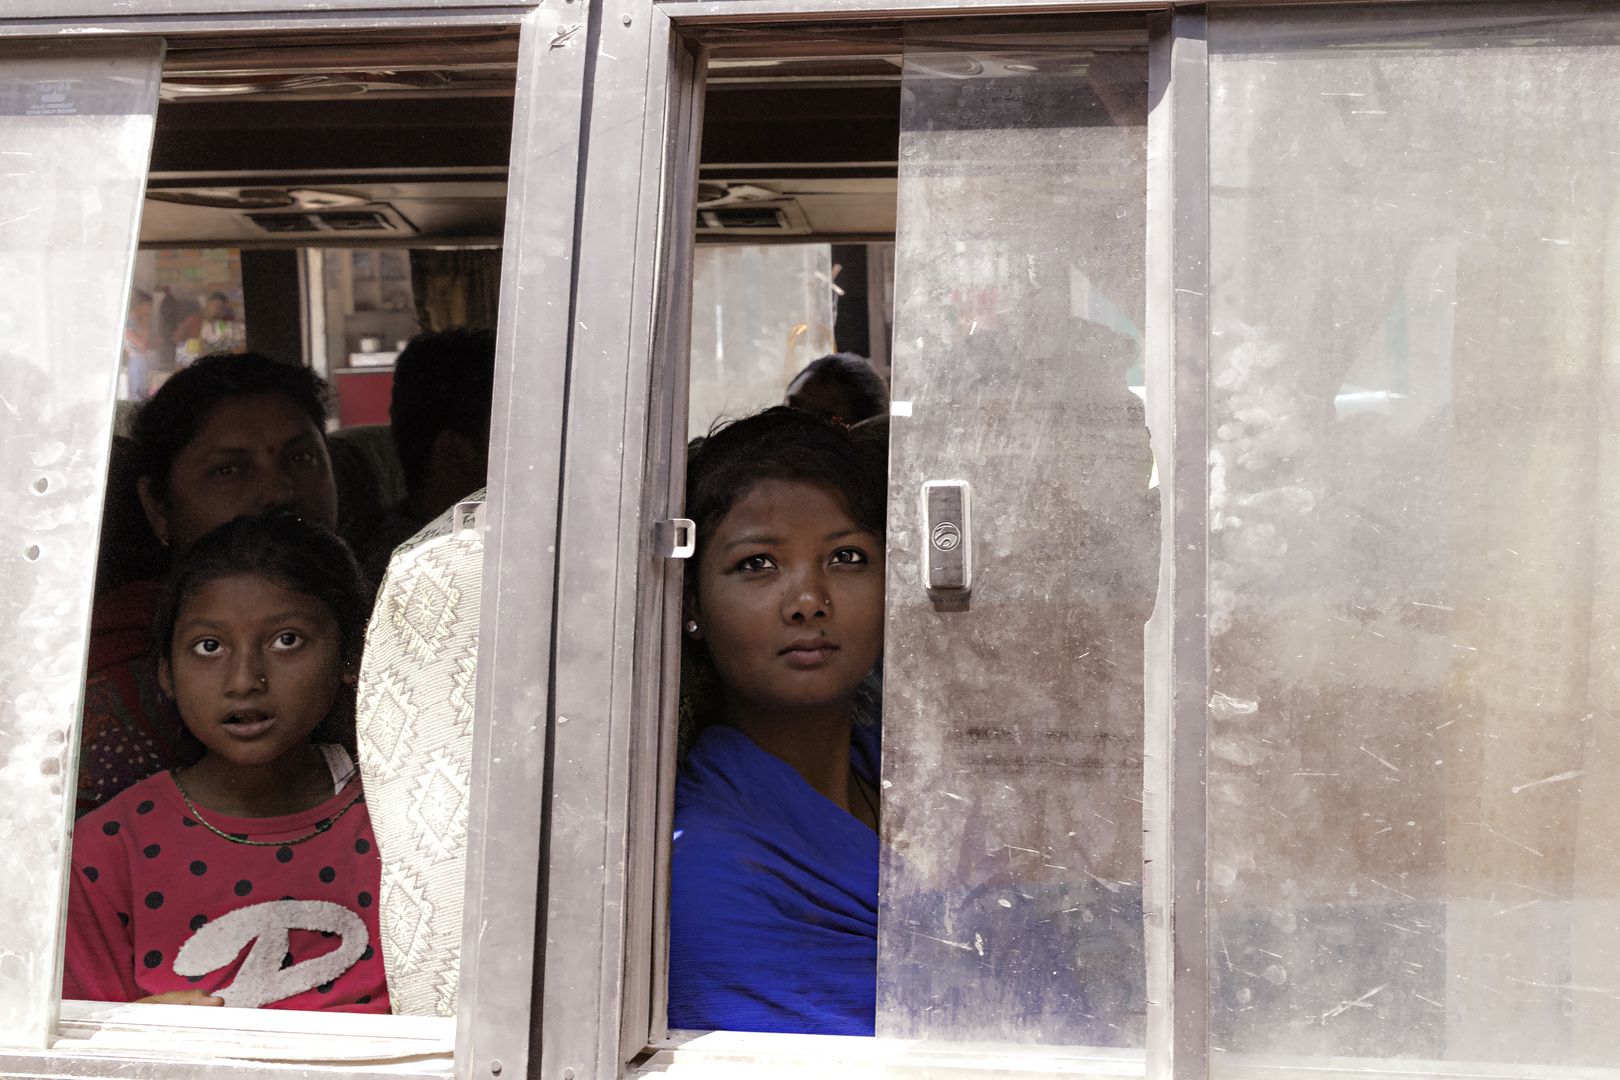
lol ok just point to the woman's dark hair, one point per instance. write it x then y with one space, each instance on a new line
442 381
777 444
862 386
299 555
170 420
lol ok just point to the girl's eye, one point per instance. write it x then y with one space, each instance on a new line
227 470
287 639
849 557
757 562
207 647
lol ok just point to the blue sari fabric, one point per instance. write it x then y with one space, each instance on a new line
773 899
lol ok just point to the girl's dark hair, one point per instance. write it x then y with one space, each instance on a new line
170 420
782 444
777 444
302 556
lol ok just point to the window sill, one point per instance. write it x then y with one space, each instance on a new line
102 1039
727 1054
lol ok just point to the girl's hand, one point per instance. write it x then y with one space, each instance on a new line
182 997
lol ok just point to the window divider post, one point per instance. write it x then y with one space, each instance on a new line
1175 804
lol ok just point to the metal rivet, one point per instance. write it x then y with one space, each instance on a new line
32 553
495 1066
626 20
568 1074
41 485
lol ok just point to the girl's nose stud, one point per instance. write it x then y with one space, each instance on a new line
691 626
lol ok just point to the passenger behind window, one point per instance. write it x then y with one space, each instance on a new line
444 383
231 434
773 909
266 841
841 387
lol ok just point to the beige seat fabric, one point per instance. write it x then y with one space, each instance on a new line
415 732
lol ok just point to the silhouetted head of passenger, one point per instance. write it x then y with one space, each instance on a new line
784 596
263 619
233 434
444 383
841 387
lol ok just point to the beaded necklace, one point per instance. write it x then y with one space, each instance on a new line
321 826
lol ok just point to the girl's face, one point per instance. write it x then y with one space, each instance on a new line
253 667
790 597
250 455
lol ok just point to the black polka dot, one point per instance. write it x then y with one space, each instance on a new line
198 922
324 988
284 854
244 887
328 874
238 836
154 900
151 850
92 873
369 953
195 978
366 1000
188 823
123 917
110 828
286 898
361 847
152 959
365 899
327 933
198 867
287 961
145 807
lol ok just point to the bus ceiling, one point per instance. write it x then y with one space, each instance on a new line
339 139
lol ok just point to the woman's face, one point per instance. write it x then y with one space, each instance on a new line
253 667
790 597
250 455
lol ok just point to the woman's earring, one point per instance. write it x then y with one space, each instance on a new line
691 626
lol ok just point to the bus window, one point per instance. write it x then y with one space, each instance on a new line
760 313
993 739
76 123
278 249
1412 777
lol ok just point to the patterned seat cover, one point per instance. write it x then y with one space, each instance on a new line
415 715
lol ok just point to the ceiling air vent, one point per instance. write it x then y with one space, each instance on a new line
753 218
373 219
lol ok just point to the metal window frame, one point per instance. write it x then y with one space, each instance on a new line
608 955
502 946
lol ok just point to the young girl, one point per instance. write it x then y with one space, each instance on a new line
773 908
266 840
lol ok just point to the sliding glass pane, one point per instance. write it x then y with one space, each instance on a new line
75 134
1012 710
1414 768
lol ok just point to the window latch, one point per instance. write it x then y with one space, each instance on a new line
676 538
947 537
467 522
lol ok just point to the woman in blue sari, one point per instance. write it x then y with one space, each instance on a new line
773 908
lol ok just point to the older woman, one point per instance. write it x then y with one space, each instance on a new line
230 435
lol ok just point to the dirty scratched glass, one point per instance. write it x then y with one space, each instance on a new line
75 134
1414 605
1010 896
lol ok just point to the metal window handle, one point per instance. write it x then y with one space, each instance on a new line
675 538
460 526
947 547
